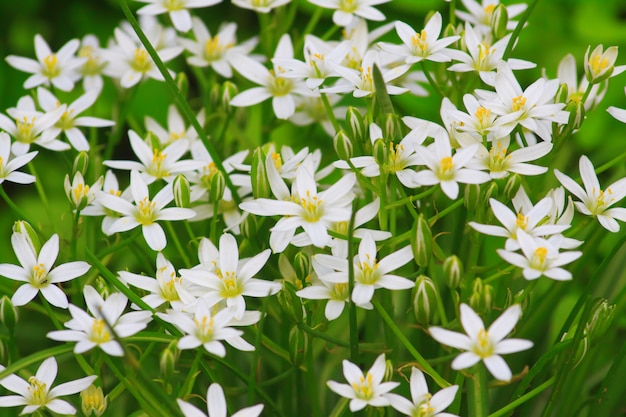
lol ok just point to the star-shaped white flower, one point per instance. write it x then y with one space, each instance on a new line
364 389
423 403
216 405
346 10
594 201
486 345
177 9
37 393
37 272
9 165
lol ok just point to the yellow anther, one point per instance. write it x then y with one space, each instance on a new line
51 69
142 62
518 103
99 332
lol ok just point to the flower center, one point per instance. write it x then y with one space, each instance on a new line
50 67
168 289
601 200
518 103
146 212
157 168
498 159
420 44
92 66
25 133
484 54
99 332
38 392
339 291
260 3
231 287
483 115
483 346
279 86
312 208
598 64
522 221
397 160
424 409
367 271
66 122
446 168
364 388
80 191
539 258
212 49
367 82
39 276
174 5
204 328
141 63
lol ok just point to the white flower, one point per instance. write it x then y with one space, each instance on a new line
176 129
58 69
423 403
9 166
215 51
91 70
421 46
305 207
177 10
364 389
346 10
594 201
336 293
38 393
110 186
101 329
37 271
526 219
540 257
145 212
156 163
566 73
79 193
446 169
481 344
69 122
260 6
27 126
480 13
369 273
600 65
206 329
231 278
272 83
130 62
216 405
165 288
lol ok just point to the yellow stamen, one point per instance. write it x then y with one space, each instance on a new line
38 392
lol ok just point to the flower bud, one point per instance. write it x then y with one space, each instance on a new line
81 162
102 287
182 191
298 345
424 300
302 267
499 20
258 175
471 196
452 271
355 125
521 297
79 193
562 94
481 299
93 401
228 91
248 227
579 353
600 319
343 145
391 126
380 152
422 242
576 109
512 185
215 96
491 191
290 302
9 314
599 65
24 228
168 359
218 185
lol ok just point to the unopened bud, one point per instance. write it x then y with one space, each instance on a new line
302 267
391 127
471 196
218 185
576 109
355 125
499 21
380 152
491 191
22 227
424 300
512 185
422 242
298 345
522 297
9 314
248 227
600 319
481 299
93 402
562 94
215 96
102 287
343 145
452 271
182 191
228 91
258 175
79 193
290 302
81 162
168 360
182 82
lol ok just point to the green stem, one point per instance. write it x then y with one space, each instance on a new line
322 335
178 98
179 247
445 211
478 393
431 80
354 337
521 400
518 29
329 112
426 367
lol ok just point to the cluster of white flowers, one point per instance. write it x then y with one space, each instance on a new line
305 203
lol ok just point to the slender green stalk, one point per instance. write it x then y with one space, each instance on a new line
178 98
478 393
354 337
179 247
426 367
431 80
322 335
521 400
330 113
518 29
38 356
